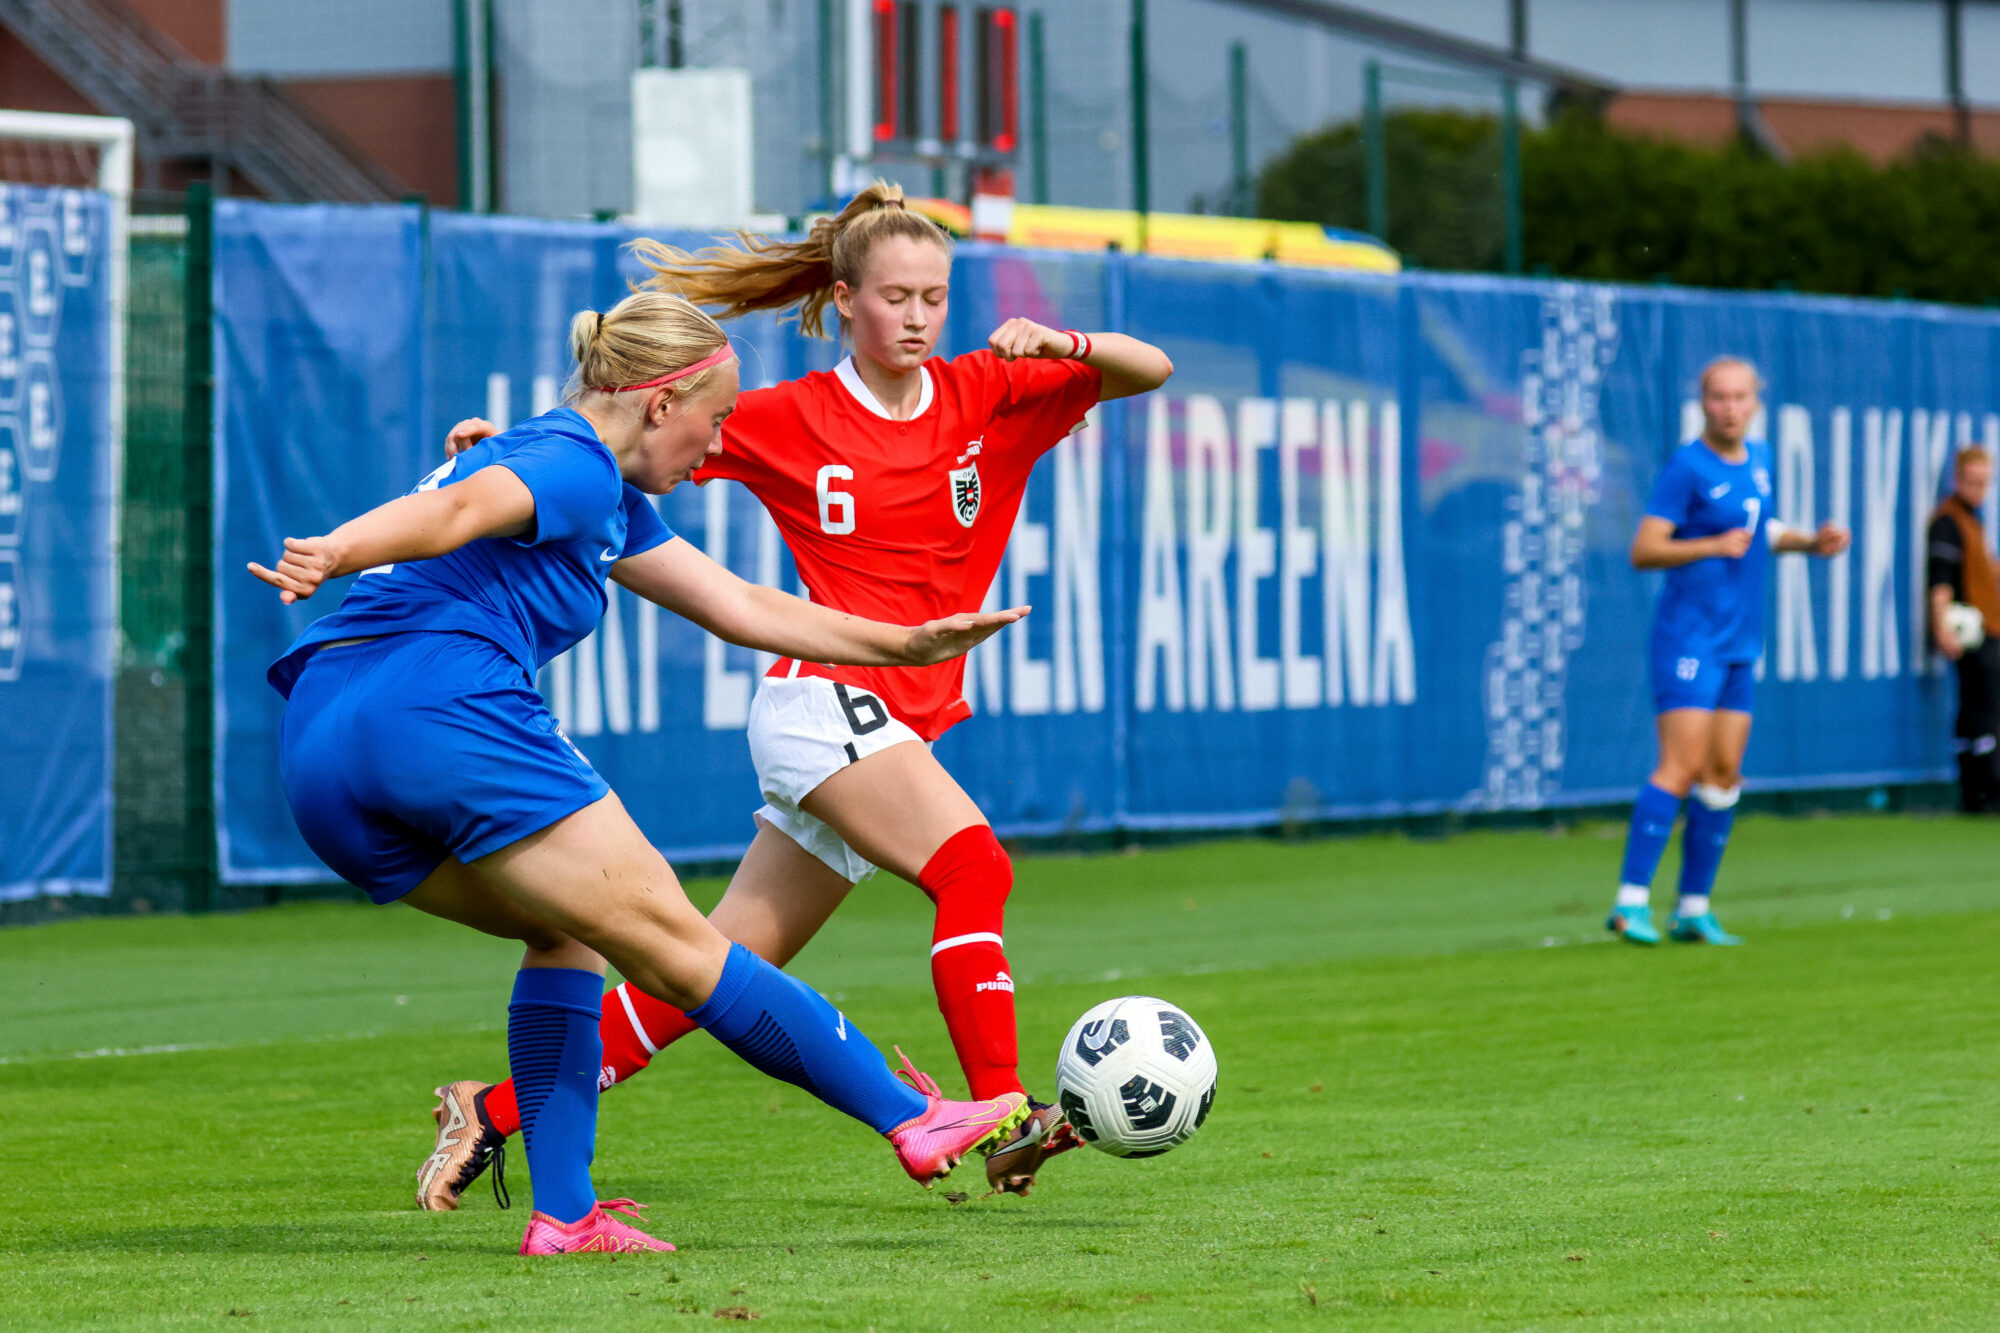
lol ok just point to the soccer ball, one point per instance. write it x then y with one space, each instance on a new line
1966 625
1136 1077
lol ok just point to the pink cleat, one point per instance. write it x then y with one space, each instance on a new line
931 1144
597 1233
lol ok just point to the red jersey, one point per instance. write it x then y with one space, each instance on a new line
903 521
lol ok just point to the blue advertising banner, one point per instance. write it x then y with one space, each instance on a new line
58 523
1365 554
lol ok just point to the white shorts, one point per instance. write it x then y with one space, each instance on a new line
803 730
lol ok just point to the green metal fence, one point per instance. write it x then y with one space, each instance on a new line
150 854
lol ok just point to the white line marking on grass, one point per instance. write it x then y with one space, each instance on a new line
182 1048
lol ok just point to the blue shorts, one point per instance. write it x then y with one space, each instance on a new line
1695 682
409 749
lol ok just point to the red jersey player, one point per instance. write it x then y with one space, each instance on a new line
895 480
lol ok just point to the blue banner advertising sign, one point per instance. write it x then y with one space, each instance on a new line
1364 555
58 517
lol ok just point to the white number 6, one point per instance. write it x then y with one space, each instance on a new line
836 508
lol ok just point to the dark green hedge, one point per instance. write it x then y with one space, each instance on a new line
1444 186
1611 206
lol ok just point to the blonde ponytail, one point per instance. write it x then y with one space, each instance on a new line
763 274
644 336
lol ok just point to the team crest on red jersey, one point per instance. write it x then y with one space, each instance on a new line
965 493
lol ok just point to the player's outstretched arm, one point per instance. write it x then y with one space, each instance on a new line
493 502
1656 547
1831 539
683 579
1127 365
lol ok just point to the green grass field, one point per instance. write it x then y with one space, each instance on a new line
1428 1117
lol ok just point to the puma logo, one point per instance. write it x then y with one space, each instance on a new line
971 451
1000 982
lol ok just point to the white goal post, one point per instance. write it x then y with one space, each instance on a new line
112 139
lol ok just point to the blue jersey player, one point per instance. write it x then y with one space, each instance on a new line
423 766
1708 524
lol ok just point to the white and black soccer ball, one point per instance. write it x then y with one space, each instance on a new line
1966 625
1136 1076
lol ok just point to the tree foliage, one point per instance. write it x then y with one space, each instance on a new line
1603 205
1445 206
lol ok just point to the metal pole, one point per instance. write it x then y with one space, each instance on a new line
197 501
1373 135
1142 184
829 130
676 57
1954 71
1739 66
1038 109
473 80
1240 202
1510 172
1517 29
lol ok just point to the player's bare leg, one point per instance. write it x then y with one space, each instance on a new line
779 897
900 809
1687 740
776 902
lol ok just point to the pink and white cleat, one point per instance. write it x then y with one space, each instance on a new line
597 1233
931 1144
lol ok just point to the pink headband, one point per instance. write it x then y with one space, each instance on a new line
715 358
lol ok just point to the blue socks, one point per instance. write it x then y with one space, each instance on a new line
554 1053
1653 817
788 1030
1711 815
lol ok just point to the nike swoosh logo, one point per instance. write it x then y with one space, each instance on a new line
1719 491
608 555
843 1024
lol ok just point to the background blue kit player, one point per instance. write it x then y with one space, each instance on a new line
1708 524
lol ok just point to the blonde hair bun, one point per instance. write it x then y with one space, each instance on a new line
644 336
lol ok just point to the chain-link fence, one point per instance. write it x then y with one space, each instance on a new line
149 826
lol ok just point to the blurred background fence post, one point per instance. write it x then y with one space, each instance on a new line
1510 174
198 482
1374 136
1142 166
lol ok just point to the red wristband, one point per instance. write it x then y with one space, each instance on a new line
1079 345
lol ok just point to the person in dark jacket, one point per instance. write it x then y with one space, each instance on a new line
1962 571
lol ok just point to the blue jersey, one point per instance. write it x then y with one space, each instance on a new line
534 595
1713 609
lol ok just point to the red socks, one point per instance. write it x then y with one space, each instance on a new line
969 878
635 1027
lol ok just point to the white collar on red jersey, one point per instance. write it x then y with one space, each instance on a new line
850 379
